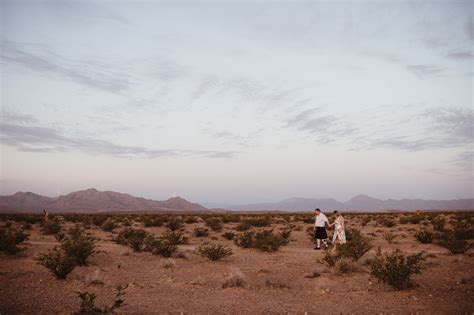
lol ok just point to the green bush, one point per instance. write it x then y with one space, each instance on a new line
132 237
175 237
10 238
246 224
228 235
389 237
150 221
214 251
58 262
175 223
263 240
51 226
214 223
245 239
108 225
201 232
77 245
424 236
159 246
448 239
88 303
355 247
395 269
438 223
190 219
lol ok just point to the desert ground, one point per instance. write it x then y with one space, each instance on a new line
293 279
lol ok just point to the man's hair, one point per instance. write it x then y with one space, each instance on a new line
317 209
335 211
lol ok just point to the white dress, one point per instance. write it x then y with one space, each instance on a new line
339 232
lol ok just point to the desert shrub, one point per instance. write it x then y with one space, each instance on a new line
214 223
231 218
344 266
329 259
254 222
463 230
387 222
355 247
10 238
108 225
286 234
160 246
389 237
77 245
214 251
190 219
424 236
310 233
395 269
131 237
149 221
267 241
438 223
263 240
365 220
88 303
58 262
404 219
415 219
201 232
26 226
98 219
175 237
51 226
449 240
228 235
245 239
234 279
174 223
307 219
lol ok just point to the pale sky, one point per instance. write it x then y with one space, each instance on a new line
238 101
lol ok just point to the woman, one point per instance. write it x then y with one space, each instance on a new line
339 232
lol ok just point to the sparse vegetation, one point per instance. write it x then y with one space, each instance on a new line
389 237
214 251
58 262
88 303
395 269
201 232
228 235
10 238
214 223
424 236
132 237
51 226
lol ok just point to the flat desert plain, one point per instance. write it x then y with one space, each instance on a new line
294 279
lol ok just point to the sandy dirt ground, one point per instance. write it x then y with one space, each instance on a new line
276 282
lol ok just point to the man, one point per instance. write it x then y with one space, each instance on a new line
320 228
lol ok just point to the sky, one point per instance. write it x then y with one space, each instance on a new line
238 101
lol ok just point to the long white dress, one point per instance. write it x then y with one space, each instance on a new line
339 232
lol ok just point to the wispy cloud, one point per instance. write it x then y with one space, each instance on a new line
424 71
44 139
326 128
91 74
465 54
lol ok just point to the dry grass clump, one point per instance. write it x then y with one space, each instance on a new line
234 279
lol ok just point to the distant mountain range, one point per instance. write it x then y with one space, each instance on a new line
92 200
358 203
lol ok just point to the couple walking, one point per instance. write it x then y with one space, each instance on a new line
320 223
